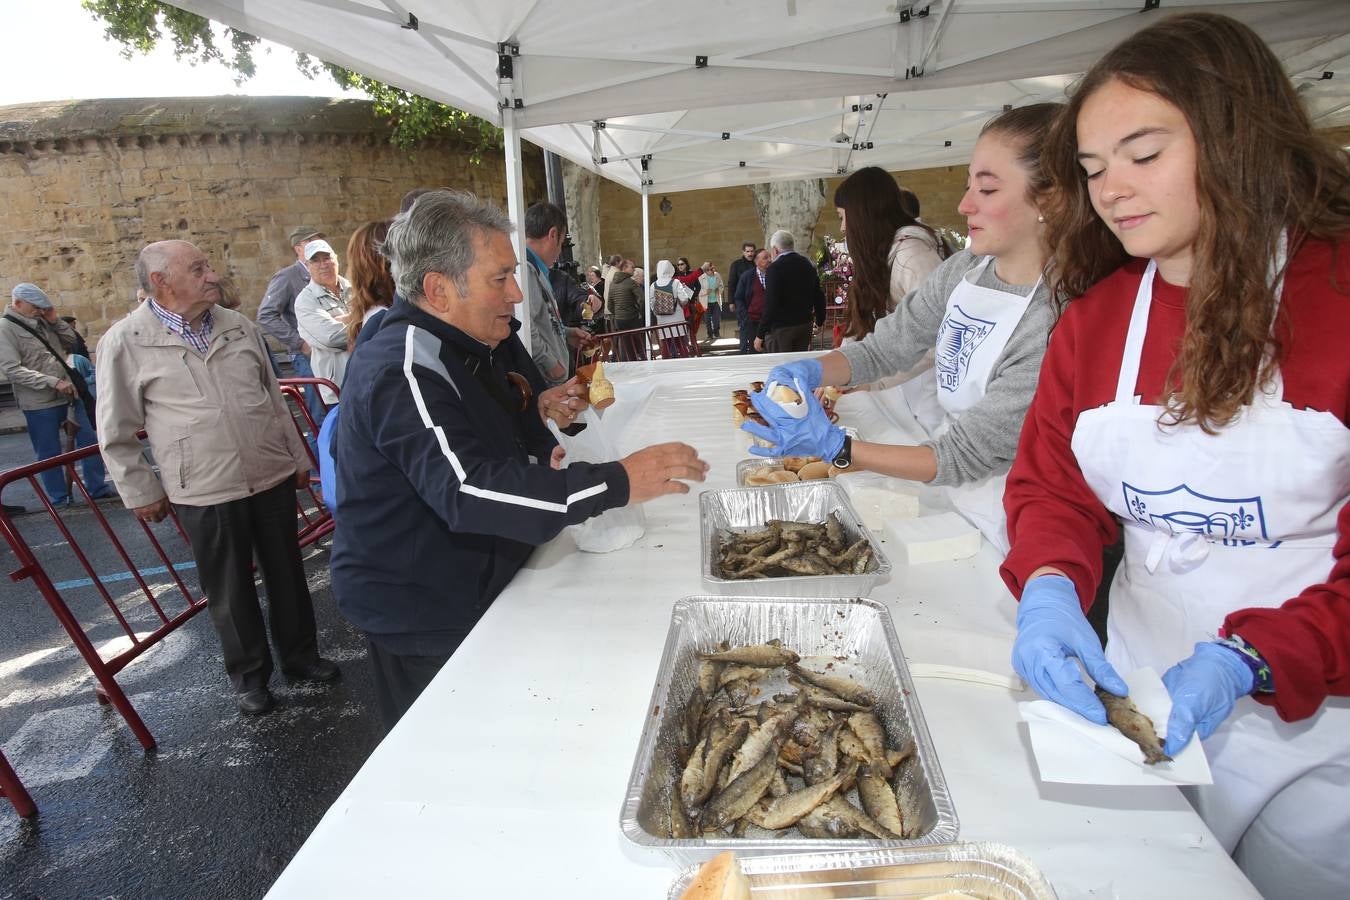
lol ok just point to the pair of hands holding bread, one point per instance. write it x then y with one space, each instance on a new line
796 422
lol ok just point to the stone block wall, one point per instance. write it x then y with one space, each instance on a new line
85 185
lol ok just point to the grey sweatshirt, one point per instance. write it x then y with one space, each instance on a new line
984 439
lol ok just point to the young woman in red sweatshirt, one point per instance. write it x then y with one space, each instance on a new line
1196 392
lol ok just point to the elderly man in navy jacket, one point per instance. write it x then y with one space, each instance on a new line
792 298
447 475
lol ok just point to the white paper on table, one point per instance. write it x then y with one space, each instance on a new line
1072 750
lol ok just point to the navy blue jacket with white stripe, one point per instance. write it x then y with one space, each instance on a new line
444 484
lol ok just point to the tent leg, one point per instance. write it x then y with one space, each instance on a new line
515 207
646 263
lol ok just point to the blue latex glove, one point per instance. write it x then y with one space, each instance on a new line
806 372
1204 689
1051 632
812 435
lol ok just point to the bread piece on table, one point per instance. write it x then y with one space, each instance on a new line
719 879
815 470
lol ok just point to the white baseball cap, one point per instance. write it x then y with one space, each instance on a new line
318 246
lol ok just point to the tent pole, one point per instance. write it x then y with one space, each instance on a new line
515 208
646 261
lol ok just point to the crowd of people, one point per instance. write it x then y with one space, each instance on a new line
1146 328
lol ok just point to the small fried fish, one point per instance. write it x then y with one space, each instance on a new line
1129 721
760 655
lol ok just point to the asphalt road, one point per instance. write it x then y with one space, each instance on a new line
224 802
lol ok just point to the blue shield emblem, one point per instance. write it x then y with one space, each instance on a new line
1239 522
958 338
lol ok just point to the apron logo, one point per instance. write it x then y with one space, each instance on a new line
1181 510
959 337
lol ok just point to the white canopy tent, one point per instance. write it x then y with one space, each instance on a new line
707 93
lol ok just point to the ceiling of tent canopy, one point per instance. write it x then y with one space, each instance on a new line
706 93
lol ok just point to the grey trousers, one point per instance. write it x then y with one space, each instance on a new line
225 539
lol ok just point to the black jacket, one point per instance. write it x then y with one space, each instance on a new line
739 266
444 484
792 293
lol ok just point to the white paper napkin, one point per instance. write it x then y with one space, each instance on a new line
1073 750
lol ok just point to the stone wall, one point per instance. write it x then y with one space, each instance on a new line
84 185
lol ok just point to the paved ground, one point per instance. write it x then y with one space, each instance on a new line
224 803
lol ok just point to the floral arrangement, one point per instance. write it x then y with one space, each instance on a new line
835 267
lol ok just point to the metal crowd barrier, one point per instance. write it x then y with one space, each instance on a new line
318 523
12 789
312 525
674 341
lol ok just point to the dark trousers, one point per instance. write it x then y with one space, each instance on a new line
400 679
630 348
225 538
714 320
746 327
788 339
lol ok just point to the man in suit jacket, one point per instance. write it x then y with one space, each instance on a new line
792 296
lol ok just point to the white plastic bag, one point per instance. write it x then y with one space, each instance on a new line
615 529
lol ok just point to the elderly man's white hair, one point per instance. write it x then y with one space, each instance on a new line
782 240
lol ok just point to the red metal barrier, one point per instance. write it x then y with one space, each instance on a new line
12 788
319 524
674 341
312 525
105 671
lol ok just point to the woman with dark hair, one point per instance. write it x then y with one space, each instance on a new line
892 251
372 284
1197 390
984 314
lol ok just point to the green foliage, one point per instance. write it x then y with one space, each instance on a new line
140 25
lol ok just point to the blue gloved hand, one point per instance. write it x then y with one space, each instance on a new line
1204 689
1051 632
806 372
812 435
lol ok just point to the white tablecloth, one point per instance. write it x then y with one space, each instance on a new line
506 777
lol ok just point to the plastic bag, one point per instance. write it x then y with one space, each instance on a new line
614 529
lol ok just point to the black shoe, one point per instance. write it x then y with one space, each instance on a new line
256 702
319 670
12 510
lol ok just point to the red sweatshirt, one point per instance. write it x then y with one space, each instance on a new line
1054 519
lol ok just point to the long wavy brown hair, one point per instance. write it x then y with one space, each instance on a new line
368 272
1260 169
873 212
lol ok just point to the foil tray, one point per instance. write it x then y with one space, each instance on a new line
747 509
858 630
986 871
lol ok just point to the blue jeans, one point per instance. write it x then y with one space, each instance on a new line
44 430
301 369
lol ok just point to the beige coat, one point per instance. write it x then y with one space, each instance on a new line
218 425
29 366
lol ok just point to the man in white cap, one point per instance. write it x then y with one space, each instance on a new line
276 312
321 315
34 342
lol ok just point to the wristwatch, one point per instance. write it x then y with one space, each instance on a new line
844 458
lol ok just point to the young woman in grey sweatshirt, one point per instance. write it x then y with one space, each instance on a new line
986 314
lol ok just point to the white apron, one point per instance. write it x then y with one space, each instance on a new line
978 323
1212 524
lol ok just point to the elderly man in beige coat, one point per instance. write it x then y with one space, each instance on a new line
197 378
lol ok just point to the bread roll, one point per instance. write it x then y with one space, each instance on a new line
794 463
836 472
815 470
784 394
719 879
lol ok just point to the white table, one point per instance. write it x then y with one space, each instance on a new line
506 777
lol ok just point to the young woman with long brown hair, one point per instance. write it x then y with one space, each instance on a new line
1197 390
372 284
984 314
892 251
